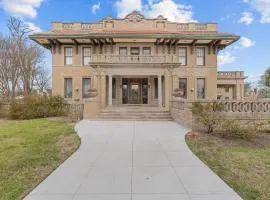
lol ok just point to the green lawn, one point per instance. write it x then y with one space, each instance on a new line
29 151
246 168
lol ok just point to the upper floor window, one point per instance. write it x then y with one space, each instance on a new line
86 85
123 51
183 87
134 51
68 87
200 56
201 88
183 55
68 55
86 56
146 51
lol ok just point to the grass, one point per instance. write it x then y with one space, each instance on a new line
245 168
29 151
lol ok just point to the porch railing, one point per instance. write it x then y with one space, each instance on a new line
134 59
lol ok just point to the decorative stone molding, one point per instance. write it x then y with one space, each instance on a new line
67 26
92 92
134 17
86 26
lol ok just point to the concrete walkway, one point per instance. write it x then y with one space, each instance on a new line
123 160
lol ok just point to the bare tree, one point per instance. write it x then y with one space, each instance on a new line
42 79
9 70
28 54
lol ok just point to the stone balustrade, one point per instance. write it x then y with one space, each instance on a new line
238 110
231 74
76 26
133 59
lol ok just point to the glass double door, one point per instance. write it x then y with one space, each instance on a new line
135 91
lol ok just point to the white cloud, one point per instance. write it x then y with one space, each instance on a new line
171 10
225 58
247 18
21 8
124 7
263 7
168 8
246 42
33 27
95 7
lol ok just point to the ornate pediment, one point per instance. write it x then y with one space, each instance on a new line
161 18
135 16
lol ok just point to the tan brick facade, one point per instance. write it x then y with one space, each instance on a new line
137 61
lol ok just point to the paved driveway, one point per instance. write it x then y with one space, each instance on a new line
132 160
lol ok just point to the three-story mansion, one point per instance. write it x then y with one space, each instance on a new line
138 61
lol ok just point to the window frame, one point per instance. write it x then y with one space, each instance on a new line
83 55
139 51
113 88
83 94
197 96
227 89
186 56
186 89
125 49
146 48
203 57
155 88
65 55
65 88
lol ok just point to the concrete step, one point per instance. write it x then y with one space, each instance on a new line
134 113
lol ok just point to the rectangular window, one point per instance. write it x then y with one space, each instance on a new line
123 51
183 55
183 87
113 88
201 88
68 87
134 51
86 85
156 88
200 56
86 56
227 89
68 55
146 51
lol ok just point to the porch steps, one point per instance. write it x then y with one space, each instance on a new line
137 113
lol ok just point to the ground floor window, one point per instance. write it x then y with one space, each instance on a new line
68 87
86 85
156 88
183 87
201 88
113 88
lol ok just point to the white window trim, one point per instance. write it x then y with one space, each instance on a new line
91 55
204 57
65 63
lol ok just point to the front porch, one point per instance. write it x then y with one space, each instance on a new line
135 90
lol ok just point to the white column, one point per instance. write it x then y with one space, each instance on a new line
159 91
110 91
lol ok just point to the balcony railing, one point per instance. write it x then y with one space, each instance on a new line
134 59
231 74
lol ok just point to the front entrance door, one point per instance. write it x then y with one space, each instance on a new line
134 91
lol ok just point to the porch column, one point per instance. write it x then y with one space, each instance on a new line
110 91
159 91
